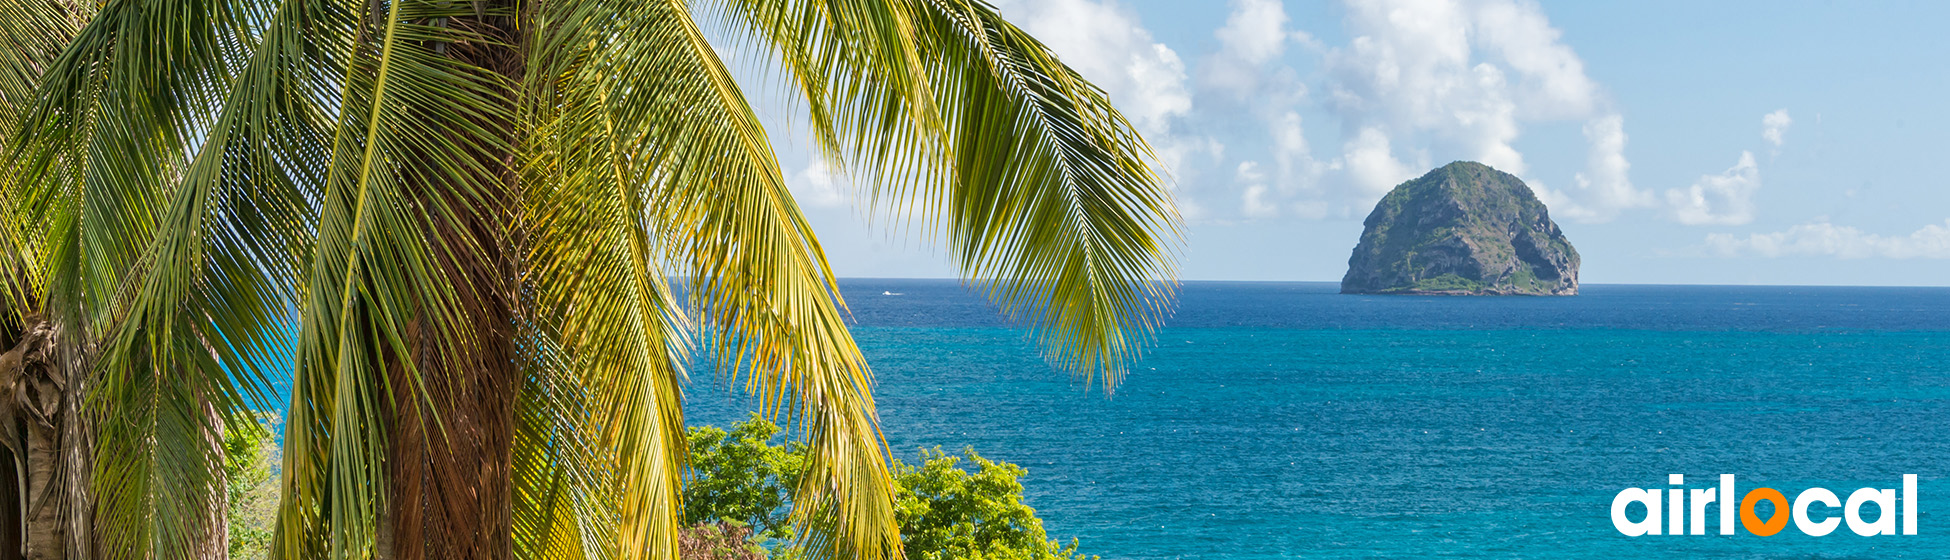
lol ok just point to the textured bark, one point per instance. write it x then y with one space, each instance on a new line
34 420
450 462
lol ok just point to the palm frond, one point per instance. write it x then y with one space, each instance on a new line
383 312
600 287
671 119
209 314
1046 195
32 35
96 150
860 69
1050 202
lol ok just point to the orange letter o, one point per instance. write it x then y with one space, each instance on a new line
1752 522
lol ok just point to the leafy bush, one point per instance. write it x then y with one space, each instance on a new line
741 476
251 487
721 540
945 512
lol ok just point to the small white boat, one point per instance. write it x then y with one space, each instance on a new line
887 293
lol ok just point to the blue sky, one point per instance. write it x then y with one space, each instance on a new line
1675 142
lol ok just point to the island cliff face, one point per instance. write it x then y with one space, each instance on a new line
1462 229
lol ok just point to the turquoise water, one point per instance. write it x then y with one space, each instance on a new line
1286 421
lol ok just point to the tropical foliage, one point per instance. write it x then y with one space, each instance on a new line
948 513
250 469
482 243
743 478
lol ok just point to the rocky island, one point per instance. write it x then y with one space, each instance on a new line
1462 229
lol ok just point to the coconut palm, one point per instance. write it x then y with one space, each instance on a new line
484 242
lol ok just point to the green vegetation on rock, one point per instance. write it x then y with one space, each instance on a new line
1462 229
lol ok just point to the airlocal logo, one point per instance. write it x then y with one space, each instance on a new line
1679 516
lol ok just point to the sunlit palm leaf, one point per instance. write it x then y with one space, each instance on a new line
97 150
32 35
405 162
210 314
1051 202
1046 195
601 291
678 154
758 277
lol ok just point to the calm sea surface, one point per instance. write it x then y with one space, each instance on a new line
1282 420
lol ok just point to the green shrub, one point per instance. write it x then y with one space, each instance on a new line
945 512
251 488
742 476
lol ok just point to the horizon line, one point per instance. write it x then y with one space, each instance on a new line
1580 284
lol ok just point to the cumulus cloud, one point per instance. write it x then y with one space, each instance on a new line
1294 158
1463 77
1773 126
1821 238
1259 201
1554 83
1418 83
817 185
1255 31
1290 191
1723 199
1606 182
1146 79
1254 35
1370 161
1727 198
1253 201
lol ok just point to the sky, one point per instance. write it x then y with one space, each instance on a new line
1774 142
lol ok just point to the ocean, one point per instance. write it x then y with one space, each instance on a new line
1283 420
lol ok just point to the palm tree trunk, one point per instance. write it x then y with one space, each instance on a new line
453 431
38 427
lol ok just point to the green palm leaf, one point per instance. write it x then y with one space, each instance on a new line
473 214
210 309
386 320
1046 195
103 138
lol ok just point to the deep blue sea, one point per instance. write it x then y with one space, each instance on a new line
1283 420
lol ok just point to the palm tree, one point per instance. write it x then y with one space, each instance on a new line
485 242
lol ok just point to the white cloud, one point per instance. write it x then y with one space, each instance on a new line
817 185
1254 35
1728 197
1258 201
1252 201
1370 162
1605 186
1555 86
1256 30
1773 126
1723 199
1297 167
1463 77
1146 79
1418 82
1825 239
